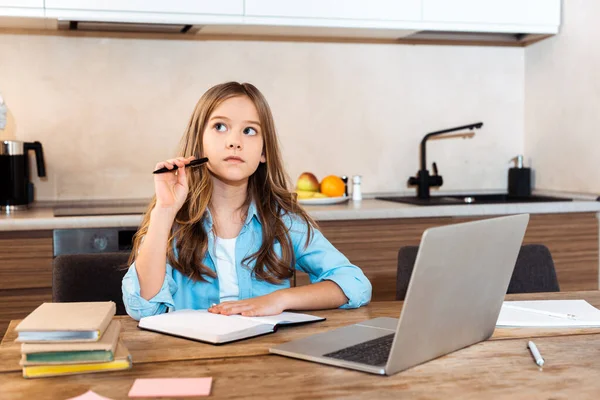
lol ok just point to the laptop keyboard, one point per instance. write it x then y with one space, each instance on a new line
373 352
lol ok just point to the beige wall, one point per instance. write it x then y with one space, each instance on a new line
107 109
562 102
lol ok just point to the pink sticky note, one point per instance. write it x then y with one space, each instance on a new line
89 395
171 387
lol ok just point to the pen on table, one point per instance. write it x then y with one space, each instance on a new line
542 312
192 163
536 353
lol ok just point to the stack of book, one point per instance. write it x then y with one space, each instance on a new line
71 338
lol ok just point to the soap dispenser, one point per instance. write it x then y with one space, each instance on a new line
519 179
3 113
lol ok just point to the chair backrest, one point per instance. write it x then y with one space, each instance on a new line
534 270
89 277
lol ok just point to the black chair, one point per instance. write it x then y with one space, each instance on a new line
534 271
89 277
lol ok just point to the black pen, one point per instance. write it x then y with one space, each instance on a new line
192 163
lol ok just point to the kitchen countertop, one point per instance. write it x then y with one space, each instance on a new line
41 217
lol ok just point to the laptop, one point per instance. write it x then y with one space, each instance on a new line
456 290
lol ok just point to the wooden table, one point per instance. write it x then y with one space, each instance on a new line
495 368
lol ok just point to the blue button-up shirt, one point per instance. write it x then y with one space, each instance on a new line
320 260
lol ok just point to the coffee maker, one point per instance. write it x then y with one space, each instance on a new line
16 191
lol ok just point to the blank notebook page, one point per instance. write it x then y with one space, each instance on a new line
284 318
199 321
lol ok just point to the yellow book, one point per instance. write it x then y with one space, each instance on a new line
121 361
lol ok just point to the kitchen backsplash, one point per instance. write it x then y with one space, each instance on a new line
562 102
107 109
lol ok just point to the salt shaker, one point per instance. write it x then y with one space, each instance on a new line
356 191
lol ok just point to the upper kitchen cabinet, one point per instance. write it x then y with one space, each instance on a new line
514 22
335 10
22 14
352 18
21 8
507 16
148 11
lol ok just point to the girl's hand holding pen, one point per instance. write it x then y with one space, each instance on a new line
192 163
171 188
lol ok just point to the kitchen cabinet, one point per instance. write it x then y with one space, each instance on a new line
148 11
21 8
373 245
335 11
410 19
328 18
220 7
25 273
515 22
527 16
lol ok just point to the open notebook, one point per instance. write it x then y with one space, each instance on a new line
218 329
548 314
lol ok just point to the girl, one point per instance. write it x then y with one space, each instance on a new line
228 235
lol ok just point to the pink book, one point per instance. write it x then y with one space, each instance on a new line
89 395
171 387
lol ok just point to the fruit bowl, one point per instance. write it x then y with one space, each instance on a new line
322 201
331 190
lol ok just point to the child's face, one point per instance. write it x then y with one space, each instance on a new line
233 140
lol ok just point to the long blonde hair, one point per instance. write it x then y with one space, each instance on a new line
267 187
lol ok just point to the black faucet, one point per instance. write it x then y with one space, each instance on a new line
423 180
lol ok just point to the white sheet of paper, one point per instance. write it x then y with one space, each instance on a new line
585 314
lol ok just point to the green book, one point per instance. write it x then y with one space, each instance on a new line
122 361
64 357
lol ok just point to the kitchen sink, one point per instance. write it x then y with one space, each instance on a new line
495 198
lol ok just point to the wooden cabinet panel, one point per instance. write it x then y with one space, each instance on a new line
373 245
16 304
25 273
573 242
25 244
25 259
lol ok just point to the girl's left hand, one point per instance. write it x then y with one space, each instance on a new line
270 304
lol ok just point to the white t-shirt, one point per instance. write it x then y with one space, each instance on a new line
229 289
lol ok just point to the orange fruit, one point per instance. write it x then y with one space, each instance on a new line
333 186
